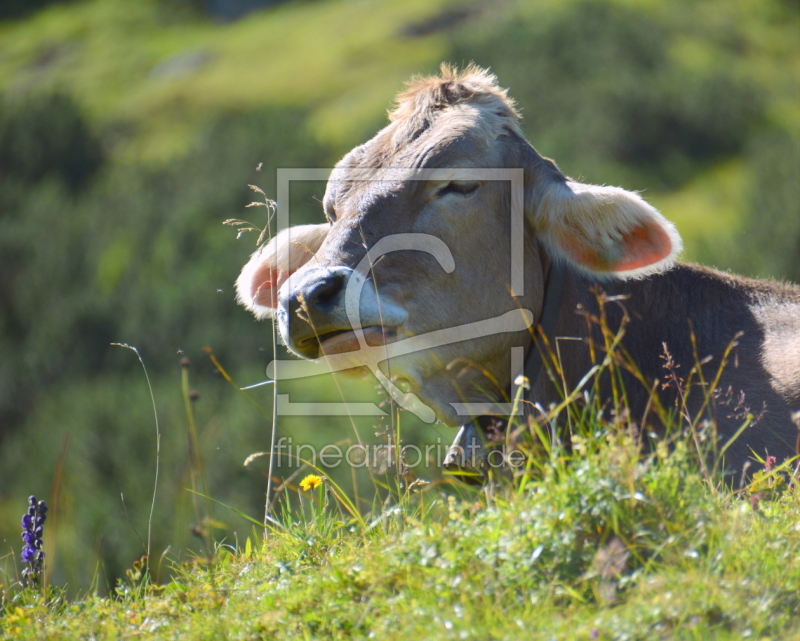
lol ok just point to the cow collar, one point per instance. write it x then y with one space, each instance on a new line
553 290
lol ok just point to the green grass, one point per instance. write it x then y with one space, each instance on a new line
605 538
597 542
306 53
607 546
345 60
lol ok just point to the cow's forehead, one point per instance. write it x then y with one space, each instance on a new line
456 134
464 137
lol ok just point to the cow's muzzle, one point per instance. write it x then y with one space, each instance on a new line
314 318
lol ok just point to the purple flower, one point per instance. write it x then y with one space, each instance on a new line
32 530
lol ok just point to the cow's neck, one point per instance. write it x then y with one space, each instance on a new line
552 302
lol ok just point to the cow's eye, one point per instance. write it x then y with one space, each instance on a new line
461 187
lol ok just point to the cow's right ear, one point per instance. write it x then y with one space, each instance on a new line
269 267
605 231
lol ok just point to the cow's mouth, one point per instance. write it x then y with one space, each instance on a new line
345 340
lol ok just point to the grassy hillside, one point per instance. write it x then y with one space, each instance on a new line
155 74
159 73
598 543
130 130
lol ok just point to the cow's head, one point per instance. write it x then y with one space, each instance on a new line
431 254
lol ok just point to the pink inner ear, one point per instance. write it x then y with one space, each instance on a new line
266 282
642 246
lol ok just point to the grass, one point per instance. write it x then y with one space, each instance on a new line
132 66
606 547
597 541
153 78
594 538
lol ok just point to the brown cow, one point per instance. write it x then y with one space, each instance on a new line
422 181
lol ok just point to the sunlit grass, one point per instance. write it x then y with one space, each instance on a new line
611 530
601 543
127 62
513 564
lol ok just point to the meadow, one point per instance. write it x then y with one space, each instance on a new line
130 131
607 531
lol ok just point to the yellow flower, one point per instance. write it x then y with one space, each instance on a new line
311 482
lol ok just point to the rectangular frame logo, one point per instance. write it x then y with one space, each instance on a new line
301 369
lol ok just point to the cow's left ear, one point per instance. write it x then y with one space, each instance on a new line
604 230
258 284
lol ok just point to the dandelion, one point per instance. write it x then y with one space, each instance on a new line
32 528
311 482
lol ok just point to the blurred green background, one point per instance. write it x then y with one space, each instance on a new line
130 130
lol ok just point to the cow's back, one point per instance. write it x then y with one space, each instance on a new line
671 313
779 314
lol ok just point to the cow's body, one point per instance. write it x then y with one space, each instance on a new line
451 268
761 318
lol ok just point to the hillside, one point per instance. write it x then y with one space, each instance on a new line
130 130
599 545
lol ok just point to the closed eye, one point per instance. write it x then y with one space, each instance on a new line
460 187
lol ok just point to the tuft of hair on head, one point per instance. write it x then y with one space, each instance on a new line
425 95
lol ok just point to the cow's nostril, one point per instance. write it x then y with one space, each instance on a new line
312 303
323 294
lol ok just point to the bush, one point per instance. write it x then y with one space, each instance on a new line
46 136
14 9
771 237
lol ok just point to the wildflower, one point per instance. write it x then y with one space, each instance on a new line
523 382
32 529
311 482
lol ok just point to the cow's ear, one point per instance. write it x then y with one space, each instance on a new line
605 230
258 284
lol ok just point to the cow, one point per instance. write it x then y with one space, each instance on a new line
426 179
